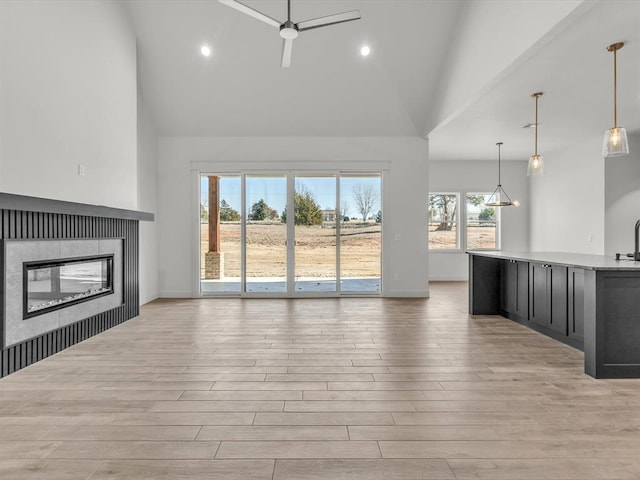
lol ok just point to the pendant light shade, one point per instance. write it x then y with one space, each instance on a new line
499 197
536 165
536 162
615 142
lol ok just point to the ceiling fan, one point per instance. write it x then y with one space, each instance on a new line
290 30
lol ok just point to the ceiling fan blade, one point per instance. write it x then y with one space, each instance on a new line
329 20
241 7
287 48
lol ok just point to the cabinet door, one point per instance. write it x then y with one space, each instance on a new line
538 294
558 299
522 293
509 287
576 303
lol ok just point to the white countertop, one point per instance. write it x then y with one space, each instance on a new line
579 260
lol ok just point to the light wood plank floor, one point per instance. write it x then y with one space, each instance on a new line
318 389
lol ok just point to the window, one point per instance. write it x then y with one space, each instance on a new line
443 221
481 223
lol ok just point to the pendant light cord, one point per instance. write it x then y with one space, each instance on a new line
499 181
615 88
536 125
614 48
536 136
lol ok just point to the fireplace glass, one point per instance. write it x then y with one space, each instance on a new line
53 284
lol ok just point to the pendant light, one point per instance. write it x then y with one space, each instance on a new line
615 139
536 163
499 197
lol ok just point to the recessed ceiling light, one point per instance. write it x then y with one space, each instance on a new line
365 50
205 50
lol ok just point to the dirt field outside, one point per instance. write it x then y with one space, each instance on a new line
478 237
315 248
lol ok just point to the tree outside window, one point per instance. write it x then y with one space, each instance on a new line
306 209
443 221
481 223
260 211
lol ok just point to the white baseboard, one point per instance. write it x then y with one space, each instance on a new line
145 300
398 294
455 278
408 294
148 295
175 294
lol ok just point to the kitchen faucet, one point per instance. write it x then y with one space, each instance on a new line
636 250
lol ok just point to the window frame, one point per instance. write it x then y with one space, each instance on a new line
459 210
498 227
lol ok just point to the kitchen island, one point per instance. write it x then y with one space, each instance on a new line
591 302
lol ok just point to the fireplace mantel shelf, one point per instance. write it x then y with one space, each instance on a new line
9 201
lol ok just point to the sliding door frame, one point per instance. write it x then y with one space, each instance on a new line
212 170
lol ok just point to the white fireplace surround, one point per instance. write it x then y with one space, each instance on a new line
17 329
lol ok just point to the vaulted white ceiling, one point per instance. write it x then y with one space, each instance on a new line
460 71
330 89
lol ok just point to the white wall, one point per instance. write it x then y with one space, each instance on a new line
481 176
404 196
68 97
147 202
622 199
567 202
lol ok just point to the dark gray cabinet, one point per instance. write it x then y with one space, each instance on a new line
515 290
575 304
590 302
548 297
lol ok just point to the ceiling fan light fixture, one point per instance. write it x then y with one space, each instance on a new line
615 143
288 30
536 162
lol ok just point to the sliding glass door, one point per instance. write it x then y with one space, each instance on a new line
315 233
220 234
361 234
265 235
291 234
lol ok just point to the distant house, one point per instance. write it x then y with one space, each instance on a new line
328 215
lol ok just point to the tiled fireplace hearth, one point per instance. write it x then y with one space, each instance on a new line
69 271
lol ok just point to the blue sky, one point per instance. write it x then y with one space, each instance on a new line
273 190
